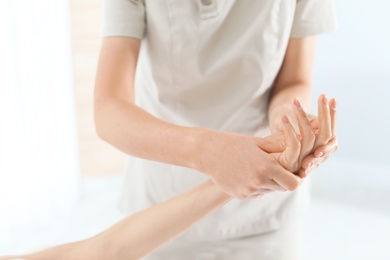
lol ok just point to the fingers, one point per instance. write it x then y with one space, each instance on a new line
289 157
252 197
314 164
327 149
260 193
308 137
284 178
313 121
326 135
332 107
269 186
272 185
308 161
320 152
325 122
304 172
270 144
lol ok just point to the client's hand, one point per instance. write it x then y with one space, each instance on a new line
288 147
317 141
326 139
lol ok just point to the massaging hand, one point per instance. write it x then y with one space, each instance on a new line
297 143
239 166
312 136
252 166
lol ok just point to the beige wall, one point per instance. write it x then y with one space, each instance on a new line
96 156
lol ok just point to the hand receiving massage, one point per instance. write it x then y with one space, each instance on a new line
259 172
317 137
326 138
141 233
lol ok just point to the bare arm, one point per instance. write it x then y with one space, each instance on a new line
134 131
293 80
123 124
145 231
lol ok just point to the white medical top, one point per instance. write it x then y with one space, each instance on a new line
211 63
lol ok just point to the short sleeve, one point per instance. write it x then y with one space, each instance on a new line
313 17
123 18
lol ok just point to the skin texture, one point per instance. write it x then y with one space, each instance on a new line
136 132
294 81
143 232
276 163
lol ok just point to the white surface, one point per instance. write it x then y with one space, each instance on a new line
39 167
352 65
338 231
333 230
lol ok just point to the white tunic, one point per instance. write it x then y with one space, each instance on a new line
211 63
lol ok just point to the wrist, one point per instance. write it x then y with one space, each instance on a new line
197 141
215 192
276 114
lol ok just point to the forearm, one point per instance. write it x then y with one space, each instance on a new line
281 99
145 231
138 133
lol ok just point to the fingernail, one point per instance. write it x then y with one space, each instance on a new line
320 154
325 100
334 104
297 103
309 165
285 119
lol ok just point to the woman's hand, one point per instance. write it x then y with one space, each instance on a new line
297 143
326 139
316 137
294 146
239 166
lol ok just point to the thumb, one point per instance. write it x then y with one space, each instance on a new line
289 157
271 144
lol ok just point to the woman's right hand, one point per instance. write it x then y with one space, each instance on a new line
240 167
247 166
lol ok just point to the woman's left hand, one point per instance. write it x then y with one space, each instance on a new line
326 139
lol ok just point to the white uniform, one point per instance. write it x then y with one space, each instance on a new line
211 63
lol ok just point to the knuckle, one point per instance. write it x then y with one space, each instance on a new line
266 191
293 185
261 168
295 143
296 167
240 196
311 136
290 168
256 196
302 113
249 191
327 139
258 182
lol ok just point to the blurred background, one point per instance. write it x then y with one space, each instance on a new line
59 182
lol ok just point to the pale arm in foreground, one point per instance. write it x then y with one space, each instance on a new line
235 162
145 231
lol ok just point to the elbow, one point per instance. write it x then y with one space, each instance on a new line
100 131
98 117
